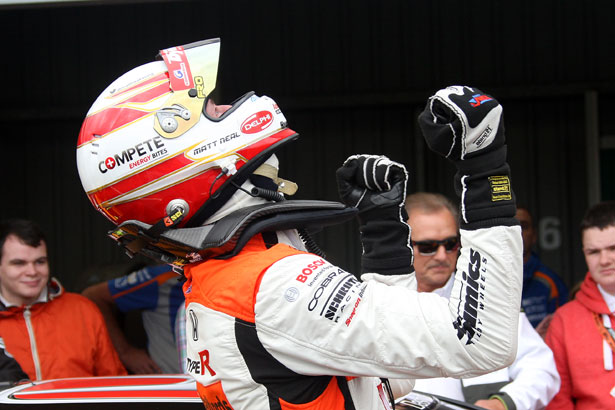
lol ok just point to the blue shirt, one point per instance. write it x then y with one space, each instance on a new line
543 290
157 292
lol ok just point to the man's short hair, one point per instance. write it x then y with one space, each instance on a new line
27 231
601 216
430 202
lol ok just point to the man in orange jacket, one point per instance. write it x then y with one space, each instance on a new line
51 333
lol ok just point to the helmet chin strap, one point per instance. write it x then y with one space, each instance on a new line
263 184
283 185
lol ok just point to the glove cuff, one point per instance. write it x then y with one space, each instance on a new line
487 198
383 250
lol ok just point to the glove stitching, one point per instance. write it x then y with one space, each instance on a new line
450 151
464 189
462 119
375 173
386 177
365 175
361 198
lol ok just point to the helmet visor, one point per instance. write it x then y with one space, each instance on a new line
193 66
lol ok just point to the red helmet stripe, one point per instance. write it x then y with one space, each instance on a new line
160 77
202 181
141 179
112 118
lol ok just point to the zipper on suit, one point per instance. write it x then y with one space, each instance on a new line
37 365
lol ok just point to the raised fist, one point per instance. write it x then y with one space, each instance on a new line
377 187
460 122
371 181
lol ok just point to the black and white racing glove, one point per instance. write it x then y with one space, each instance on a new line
376 186
466 126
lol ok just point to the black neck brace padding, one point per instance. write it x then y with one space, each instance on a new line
226 237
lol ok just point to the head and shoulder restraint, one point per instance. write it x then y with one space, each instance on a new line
155 161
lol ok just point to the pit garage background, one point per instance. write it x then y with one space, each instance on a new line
350 76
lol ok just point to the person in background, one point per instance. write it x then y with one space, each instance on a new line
50 332
156 291
543 290
581 331
532 380
180 337
10 370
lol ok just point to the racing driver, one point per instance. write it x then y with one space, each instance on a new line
271 324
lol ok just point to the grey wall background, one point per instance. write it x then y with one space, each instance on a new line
351 77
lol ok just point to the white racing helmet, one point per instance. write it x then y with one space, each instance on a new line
148 148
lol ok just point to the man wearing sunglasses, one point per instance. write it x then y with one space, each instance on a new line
532 380
434 238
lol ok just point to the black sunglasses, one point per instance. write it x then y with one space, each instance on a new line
430 247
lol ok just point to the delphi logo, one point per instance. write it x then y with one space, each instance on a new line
467 323
257 122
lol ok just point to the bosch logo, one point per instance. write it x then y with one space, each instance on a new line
307 271
257 122
134 156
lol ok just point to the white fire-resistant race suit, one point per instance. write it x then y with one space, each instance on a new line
262 334
275 327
